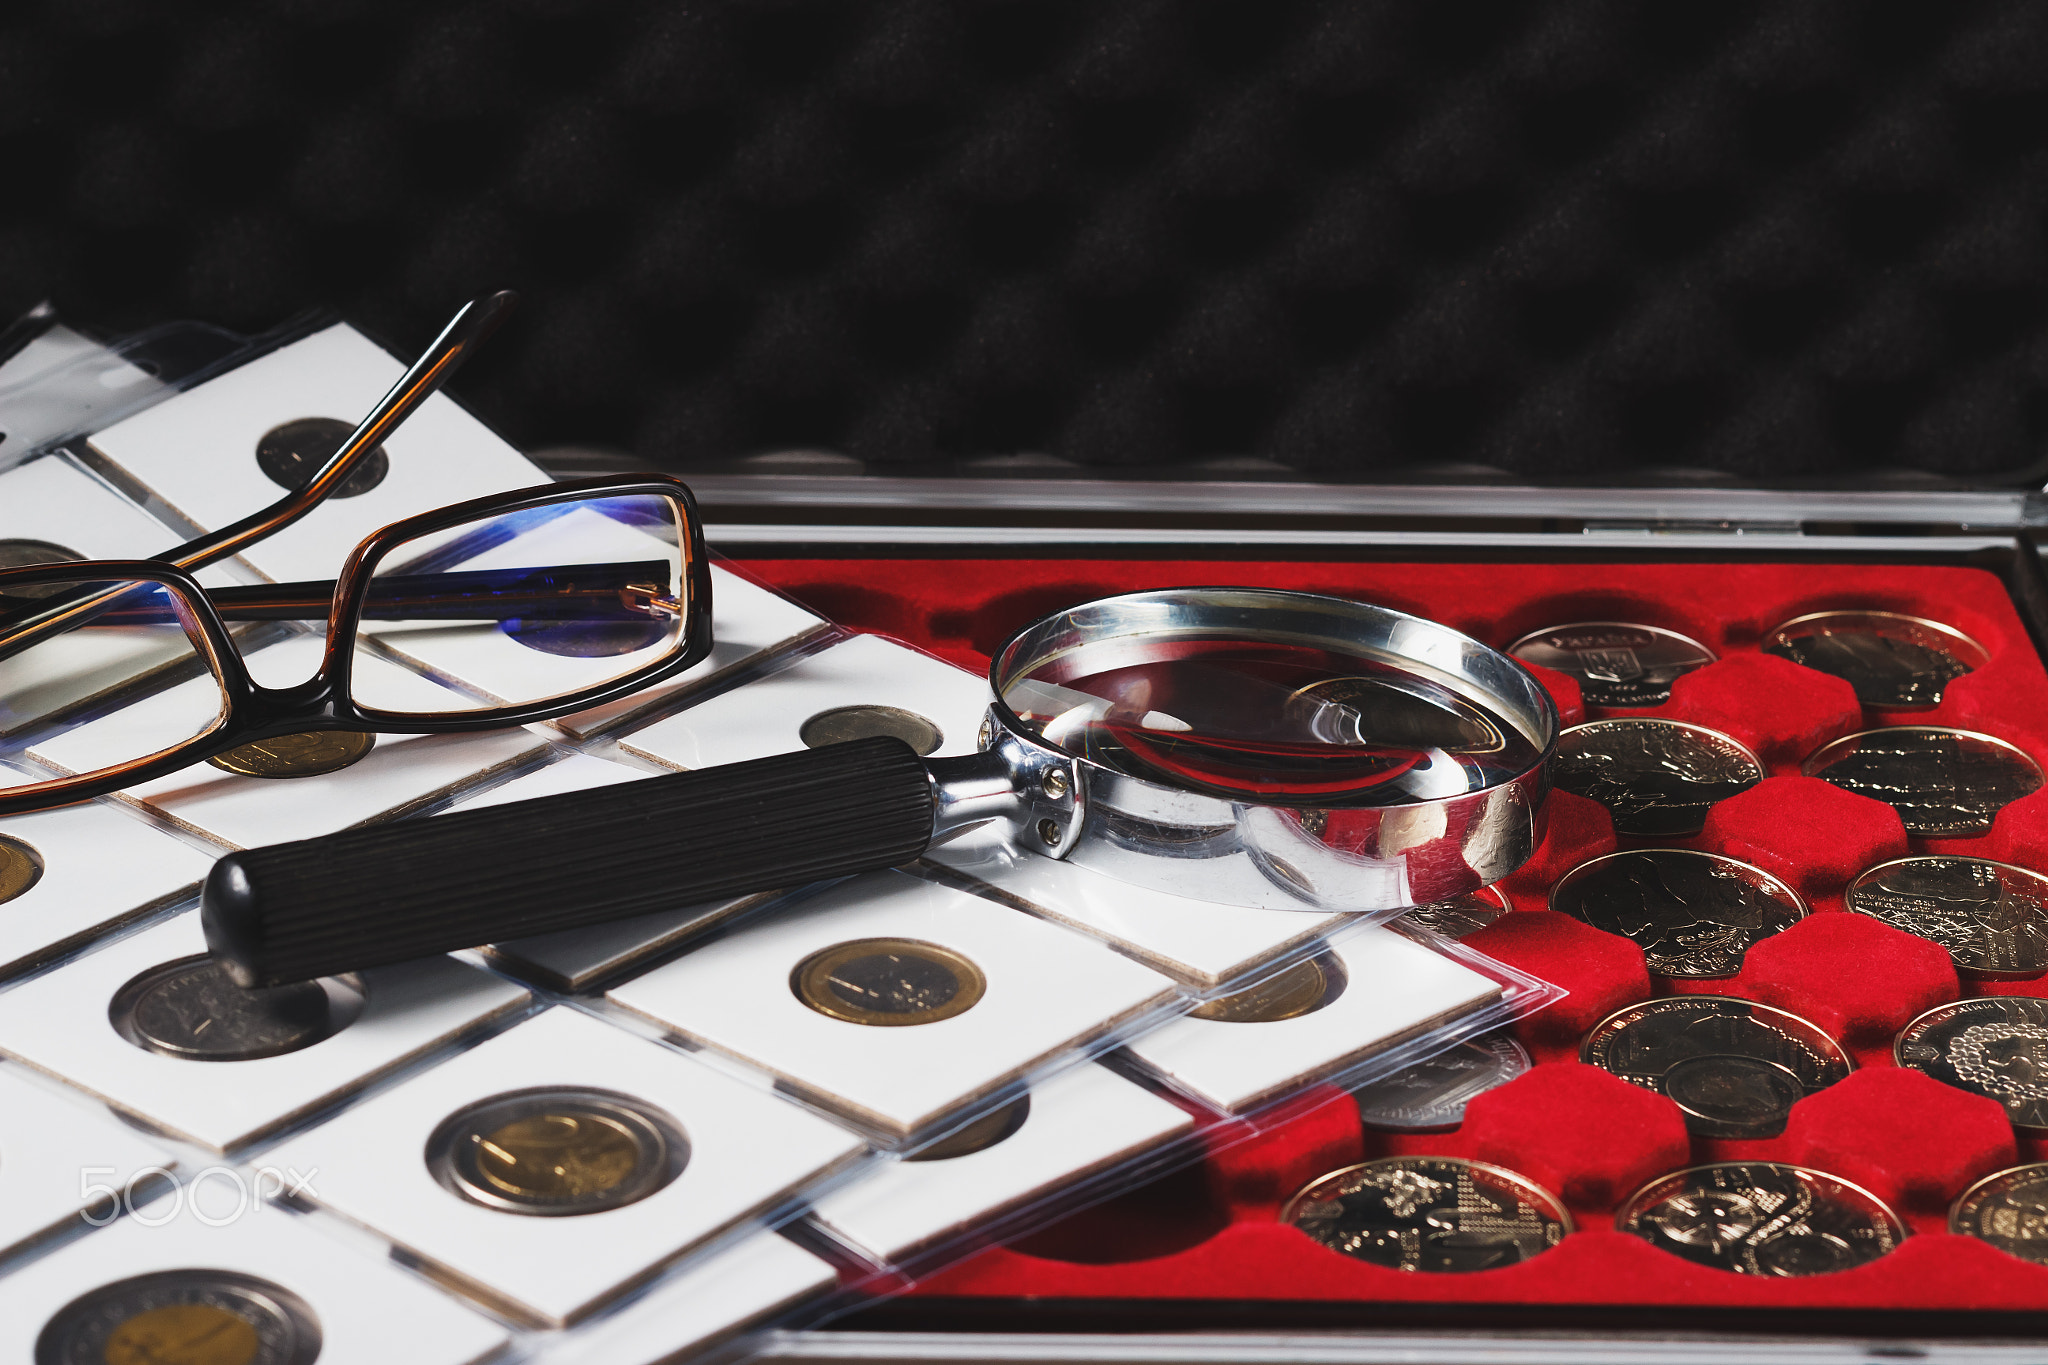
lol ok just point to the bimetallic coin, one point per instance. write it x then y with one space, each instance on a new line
1762 1218
21 867
302 755
1733 1067
291 454
1429 1213
1616 663
192 1009
1945 784
1894 662
845 723
888 982
557 1152
1657 778
1987 1045
1430 1096
182 1317
1992 917
1461 915
1692 914
978 1136
1301 989
2008 1209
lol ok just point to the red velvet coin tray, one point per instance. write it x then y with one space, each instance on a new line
1190 1244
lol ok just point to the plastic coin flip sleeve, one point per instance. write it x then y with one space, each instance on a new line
767 716
748 1152
1047 992
61 1024
101 868
52 501
197 452
368 1312
59 1159
1395 990
402 773
1082 1121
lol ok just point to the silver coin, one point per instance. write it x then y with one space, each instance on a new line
1433 1214
1893 661
1460 915
192 1317
1992 917
192 1009
1692 914
1734 1068
1658 778
1996 1046
2008 1209
1762 1218
1945 784
1431 1095
1616 663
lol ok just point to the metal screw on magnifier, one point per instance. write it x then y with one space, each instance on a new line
1055 787
988 732
1049 830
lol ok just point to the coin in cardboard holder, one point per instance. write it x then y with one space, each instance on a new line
888 982
1429 1213
1693 914
1734 1068
21 867
1615 663
1762 1218
307 754
978 1136
192 1317
192 1009
291 453
1430 1096
556 1152
1996 1046
1657 778
1992 917
1460 915
843 723
1944 783
1894 661
1301 988
2007 1209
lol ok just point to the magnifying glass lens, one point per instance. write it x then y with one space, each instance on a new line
1286 724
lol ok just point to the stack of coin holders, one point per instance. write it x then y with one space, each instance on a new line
629 1143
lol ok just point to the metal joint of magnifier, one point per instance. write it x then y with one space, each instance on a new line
1242 746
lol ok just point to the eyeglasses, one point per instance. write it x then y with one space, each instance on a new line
606 578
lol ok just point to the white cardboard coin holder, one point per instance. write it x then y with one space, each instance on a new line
60 1024
1082 1122
573 959
102 868
401 773
369 1312
749 1152
61 1162
767 715
196 452
1050 995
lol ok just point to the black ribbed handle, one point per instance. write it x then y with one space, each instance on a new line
390 893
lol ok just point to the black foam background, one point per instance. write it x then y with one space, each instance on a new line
1588 239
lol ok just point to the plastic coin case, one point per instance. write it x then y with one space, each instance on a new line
63 1024
362 1311
53 502
1045 992
1386 988
59 1159
784 711
400 773
1085 1119
745 1151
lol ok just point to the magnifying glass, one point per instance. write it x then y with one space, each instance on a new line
1245 746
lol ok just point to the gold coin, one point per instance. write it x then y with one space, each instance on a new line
20 868
558 1156
302 755
888 982
1304 988
557 1151
183 1334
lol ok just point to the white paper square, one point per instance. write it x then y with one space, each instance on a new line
369 1312
748 1152
60 1025
1081 1121
400 774
101 868
1395 988
767 715
570 959
59 1160
197 451
1047 991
